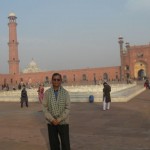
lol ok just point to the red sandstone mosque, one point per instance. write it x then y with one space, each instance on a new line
135 64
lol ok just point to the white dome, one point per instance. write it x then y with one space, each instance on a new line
32 63
32 67
12 14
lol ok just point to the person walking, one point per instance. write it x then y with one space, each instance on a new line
106 96
40 93
24 97
56 108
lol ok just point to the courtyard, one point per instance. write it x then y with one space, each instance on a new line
126 126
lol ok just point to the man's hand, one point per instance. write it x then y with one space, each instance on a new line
55 122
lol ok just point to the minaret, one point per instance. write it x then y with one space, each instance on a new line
13 45
127 45
120 41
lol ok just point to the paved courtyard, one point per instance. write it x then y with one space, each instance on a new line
126 126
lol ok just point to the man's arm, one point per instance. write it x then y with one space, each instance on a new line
67 109
47 114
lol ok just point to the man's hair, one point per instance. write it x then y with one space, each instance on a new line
56 74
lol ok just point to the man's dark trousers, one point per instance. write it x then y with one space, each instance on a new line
59 132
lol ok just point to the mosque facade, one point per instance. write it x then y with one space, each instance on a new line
135 64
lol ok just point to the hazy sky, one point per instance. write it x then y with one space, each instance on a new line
72 34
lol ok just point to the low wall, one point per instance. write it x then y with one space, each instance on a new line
120 93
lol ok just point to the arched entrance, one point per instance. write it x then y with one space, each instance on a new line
141 74
140 70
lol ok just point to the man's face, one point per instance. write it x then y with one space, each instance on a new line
56 81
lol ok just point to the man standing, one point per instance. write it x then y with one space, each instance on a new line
24 97
106 96
56 107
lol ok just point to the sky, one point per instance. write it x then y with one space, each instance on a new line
73 34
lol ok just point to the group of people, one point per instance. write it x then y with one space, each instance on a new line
5 87
56 107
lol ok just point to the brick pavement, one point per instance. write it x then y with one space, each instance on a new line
125 127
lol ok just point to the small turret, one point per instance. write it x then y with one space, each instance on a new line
120 41
127 45
12 17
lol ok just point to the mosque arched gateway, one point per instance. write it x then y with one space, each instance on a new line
140 69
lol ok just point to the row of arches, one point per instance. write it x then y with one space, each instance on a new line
84 77
65 78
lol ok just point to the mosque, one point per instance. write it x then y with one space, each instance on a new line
135 64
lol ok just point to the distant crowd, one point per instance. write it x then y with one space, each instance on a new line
7 87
